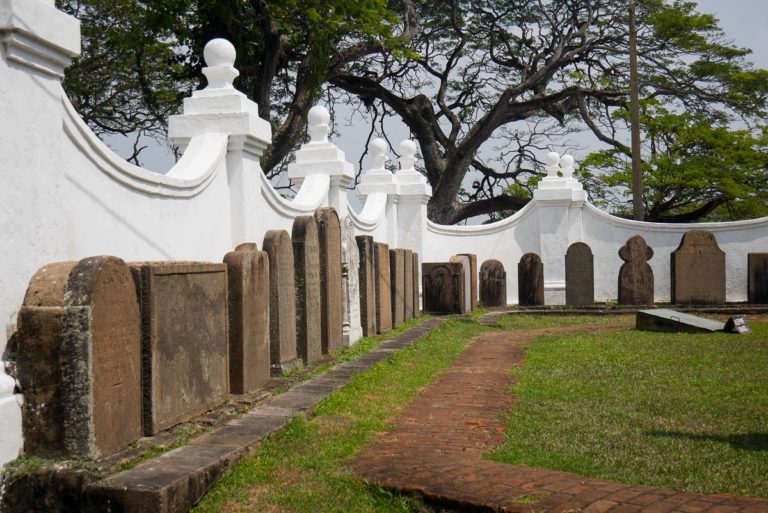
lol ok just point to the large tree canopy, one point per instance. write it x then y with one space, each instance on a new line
482 85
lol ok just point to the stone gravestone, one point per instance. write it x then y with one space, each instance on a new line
443 287
306 262
408 291
757 280
493 284
467 276
397 283
248 280
79 360
473 274
530 280
282 302
382 287
332 308
698 256
351 283
579 275
416 281
367 285
635 275
185 346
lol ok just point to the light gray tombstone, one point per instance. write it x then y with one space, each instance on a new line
353 329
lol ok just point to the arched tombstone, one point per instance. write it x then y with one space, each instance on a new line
697 256
635 275
282 302
367 284
79 360
493 284
467 284
306 262
443 287
579 275
530 280
757 281
248 282
331 309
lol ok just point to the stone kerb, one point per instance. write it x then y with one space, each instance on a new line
331 309
79 360
248 280
306 261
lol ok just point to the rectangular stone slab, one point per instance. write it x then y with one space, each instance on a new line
677 322
473 278
367 284
397 282
443 287
408 284
757 278
184 340
382 287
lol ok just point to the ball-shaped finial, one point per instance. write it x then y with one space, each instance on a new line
318 122
407 148
566 161
219 52
553 158
379 149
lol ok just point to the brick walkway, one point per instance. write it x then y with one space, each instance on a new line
436 446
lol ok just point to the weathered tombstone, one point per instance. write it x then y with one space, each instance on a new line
530 280
282 302
473 275
306 262
367 285
351 283
662 319
331 310
382 287
443 287
465 263
416 281
635 275
697 256
397 284
757 281
408 291
493 284
579 275
185 346
248 281
79 360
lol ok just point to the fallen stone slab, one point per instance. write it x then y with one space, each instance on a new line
663 319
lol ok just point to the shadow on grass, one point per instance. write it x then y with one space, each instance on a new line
744 441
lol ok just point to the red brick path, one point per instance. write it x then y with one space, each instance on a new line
436 446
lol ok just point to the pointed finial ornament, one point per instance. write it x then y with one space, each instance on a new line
220 55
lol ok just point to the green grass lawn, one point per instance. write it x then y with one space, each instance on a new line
688 412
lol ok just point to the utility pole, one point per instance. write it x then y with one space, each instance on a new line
634 110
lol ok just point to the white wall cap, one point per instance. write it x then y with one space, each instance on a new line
215 104
184 127
558 195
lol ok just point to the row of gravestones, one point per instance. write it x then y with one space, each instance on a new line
109 351
698 254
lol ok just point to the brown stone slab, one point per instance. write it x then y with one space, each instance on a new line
635 275
306 261
697 256
530 280
367 285
397 282
185 339
248 282
443 287
331 309
579 275
382 287
416 281
757 279
408 291
493 284
282 302
467 272
474 276
79 360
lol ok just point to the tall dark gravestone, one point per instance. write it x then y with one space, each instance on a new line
332 308
79 360
408 290
697 270
382 287
397 284
473 278
282 302
530 280
635 275
416 281
185 340
493 284
367 285
579 275
467 285
306 261
248 280
757 279
443 287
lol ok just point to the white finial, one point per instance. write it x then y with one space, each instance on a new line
566 166
553 158
318 121
379 149
407 155
219 55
